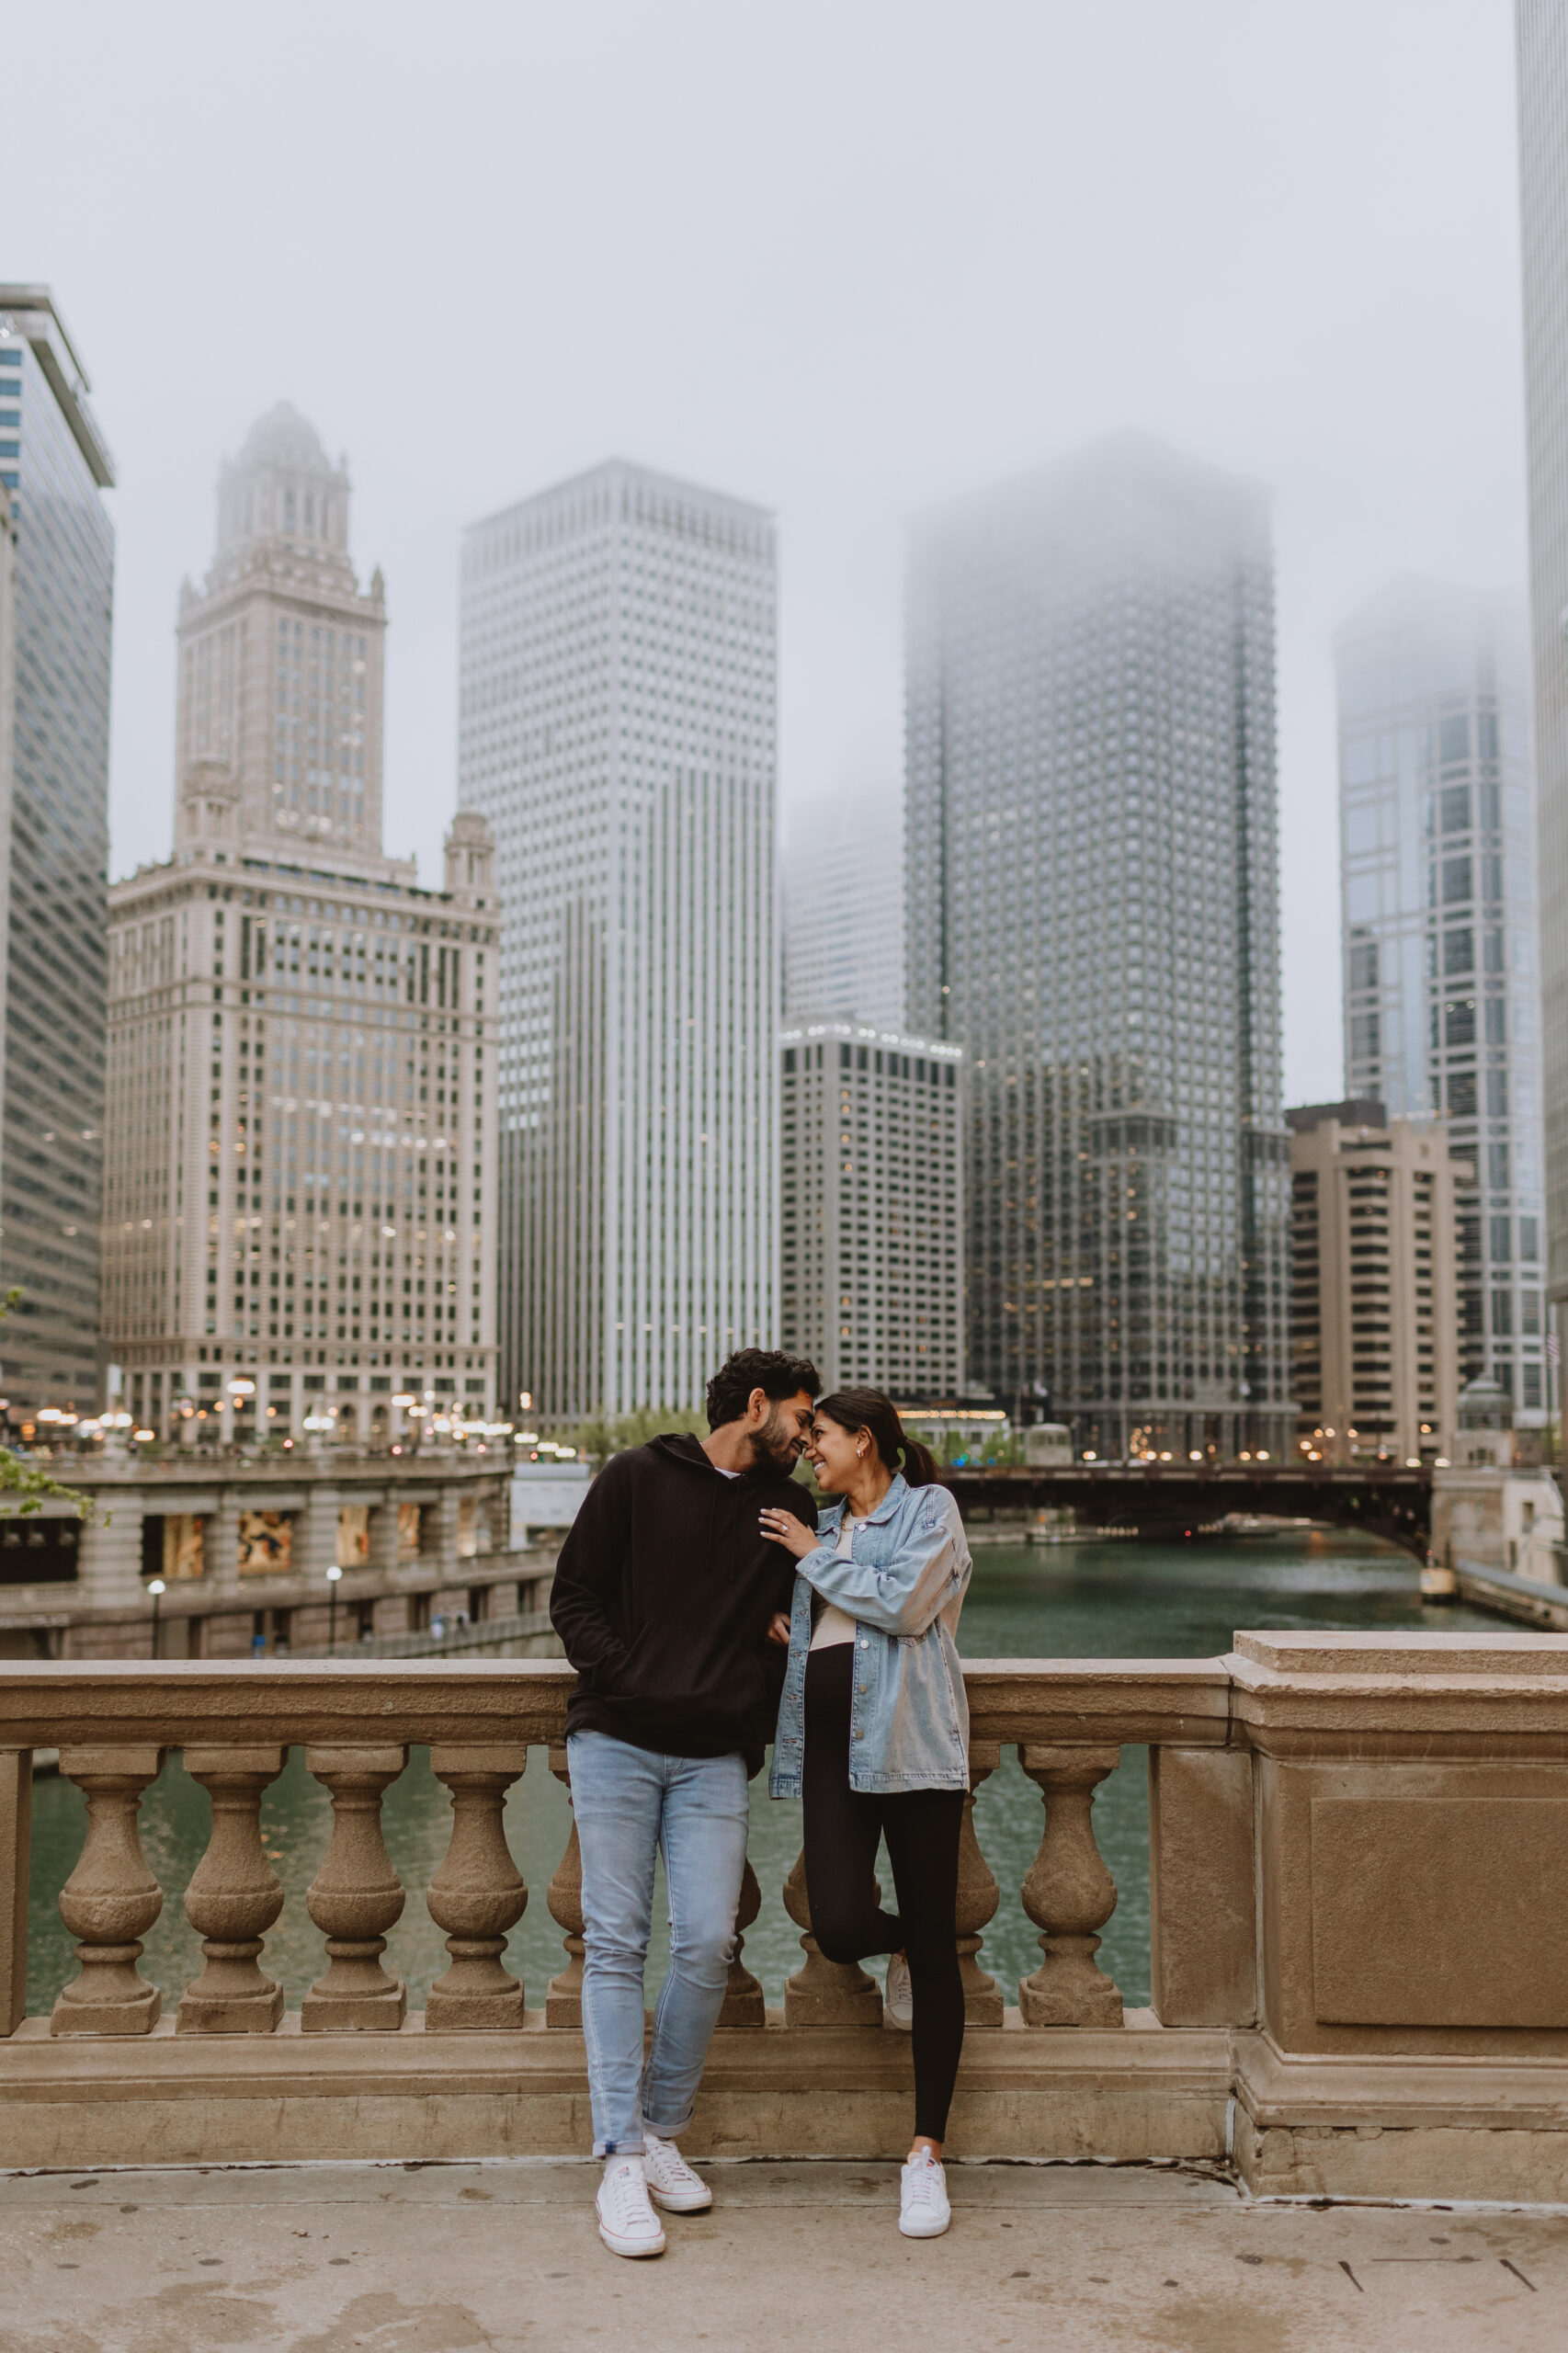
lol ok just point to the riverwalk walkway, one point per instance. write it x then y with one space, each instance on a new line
503 2255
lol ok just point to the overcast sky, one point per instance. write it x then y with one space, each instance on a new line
843 258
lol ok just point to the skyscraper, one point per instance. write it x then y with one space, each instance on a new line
616 730
871 1206
1093 915
1436 826
56 467
843 914
300 1189
1543 36
1374 1303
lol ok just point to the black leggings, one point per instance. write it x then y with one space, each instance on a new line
922 1826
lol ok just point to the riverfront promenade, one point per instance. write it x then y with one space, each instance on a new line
504 2256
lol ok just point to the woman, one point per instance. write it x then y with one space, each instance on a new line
873 1732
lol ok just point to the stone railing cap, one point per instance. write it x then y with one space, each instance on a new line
1398 1655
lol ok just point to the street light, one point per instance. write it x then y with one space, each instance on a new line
156 1588
331 1577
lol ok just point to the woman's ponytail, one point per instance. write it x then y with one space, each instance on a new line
872 1410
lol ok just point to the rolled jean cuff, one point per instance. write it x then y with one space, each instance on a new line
630 2148
671 2131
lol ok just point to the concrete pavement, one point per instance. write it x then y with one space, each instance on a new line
503 2255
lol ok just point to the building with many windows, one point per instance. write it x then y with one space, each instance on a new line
1093 915
1437 813
871 1206
617 730
844 915
1543 49
55 463
300 1194
1374 1303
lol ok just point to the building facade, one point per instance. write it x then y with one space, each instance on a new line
1437 811
871 1135
299 1199
617 732
56 467
1093 915
1374 1299
843 917
1543 49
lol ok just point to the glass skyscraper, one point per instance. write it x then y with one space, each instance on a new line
1436 815
1542 34
616 730
843 917
1093 914
56 466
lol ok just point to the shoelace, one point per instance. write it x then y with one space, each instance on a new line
922 2186
625 2206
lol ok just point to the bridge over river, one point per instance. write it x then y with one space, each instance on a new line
1173 1500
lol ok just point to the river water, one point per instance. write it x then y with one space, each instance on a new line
1116 1599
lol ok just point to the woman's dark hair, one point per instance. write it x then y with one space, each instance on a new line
873 1410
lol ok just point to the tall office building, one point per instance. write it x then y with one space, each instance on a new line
616 730
56 467
843 914
1374 1299
300 1185
1436 826
1093 914
1542 40
871 1206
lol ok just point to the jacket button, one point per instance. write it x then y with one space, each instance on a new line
865 1642
859 1733
862 1687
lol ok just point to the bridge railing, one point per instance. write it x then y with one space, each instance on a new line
1337 1824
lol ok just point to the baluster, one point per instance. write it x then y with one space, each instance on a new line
234 1898
478 1894
111 1898
824 1993
15 1819
563 1896
1069 1894
743 2002
354 1897
978 1897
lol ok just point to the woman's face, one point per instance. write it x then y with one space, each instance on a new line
833 1456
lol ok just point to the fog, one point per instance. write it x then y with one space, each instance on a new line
845 259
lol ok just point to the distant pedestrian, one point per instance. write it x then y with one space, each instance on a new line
662 1598
873 1733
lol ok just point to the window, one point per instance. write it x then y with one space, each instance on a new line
1453 804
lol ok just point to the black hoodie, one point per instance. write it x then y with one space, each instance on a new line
663 1596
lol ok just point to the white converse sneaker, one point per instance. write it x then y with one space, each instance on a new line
898 2002
923 2209
627 2224
671 2182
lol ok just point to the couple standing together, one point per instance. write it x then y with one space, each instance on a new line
709 1608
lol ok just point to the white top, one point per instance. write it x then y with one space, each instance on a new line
834 1625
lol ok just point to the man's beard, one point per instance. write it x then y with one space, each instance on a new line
772 1447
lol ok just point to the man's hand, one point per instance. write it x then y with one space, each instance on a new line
778 1630
783 1528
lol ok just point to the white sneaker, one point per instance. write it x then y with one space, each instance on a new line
923 2209
627 2224
671 2182
898 2002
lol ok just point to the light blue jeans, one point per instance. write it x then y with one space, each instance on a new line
630 1803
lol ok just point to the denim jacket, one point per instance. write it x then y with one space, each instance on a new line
902 1583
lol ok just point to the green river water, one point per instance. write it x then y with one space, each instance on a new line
1116 1599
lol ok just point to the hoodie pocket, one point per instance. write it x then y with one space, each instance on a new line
672 1664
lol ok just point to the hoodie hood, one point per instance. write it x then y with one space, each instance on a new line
685 1447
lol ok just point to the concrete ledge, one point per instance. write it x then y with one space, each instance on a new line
1360 2126
165 2098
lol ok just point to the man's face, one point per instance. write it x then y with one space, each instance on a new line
779 1440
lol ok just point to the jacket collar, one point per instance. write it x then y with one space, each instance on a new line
831 1514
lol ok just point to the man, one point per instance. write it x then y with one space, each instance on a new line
662 1598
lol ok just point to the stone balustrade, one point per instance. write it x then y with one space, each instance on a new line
1359 1873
